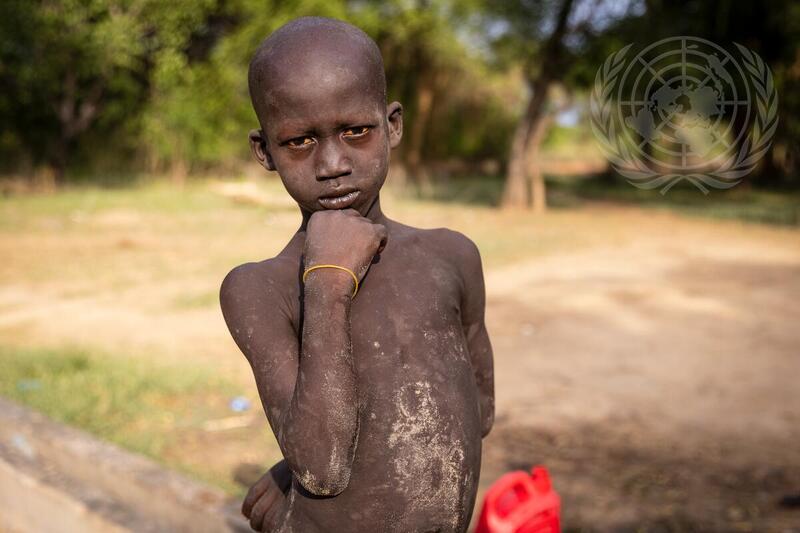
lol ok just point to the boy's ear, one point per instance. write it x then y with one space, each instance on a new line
258 144
394 116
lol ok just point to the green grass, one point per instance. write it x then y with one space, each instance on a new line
739 203
478 190
71 204
131 402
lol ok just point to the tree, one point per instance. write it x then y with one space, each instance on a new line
422 54
549 39
531 128
71 66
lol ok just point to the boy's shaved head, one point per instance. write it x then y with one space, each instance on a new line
310 51
319 91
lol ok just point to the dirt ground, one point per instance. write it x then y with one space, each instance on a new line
652 365
657 379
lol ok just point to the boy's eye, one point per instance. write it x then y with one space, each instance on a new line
299 142
356 131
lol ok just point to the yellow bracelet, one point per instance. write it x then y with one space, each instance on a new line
355 278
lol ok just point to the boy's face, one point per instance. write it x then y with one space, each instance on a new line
327 133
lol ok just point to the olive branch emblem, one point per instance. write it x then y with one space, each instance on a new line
727 174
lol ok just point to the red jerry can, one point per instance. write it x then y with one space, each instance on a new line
520 502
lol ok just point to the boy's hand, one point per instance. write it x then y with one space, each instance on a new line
264 499
343 237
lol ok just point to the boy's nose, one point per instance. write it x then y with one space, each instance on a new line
332 162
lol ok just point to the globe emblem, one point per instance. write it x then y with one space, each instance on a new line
683 104
683 109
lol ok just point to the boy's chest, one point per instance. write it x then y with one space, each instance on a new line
406 297
405 321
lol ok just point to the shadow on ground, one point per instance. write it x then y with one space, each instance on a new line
612 482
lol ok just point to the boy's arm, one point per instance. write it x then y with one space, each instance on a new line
309 395
473 306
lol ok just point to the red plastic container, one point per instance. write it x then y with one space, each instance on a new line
520 502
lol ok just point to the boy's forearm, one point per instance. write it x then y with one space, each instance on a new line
320 429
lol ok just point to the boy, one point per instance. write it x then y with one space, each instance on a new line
366 336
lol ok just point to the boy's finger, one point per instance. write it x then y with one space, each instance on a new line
260 509
255 492
270 521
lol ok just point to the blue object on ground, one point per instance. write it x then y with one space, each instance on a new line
29 384
22 445
239 404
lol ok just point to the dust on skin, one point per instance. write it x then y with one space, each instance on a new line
306 478
430 467
335 464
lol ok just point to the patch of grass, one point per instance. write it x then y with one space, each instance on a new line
476 190
130 402
72 204
739 203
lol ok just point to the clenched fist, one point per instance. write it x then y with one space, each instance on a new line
343 237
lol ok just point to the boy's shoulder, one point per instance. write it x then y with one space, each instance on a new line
450 244
264 270
455 249
257 282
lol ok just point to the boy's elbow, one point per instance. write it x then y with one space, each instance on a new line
323 466
327 482
326 474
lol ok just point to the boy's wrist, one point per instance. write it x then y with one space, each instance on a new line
330 284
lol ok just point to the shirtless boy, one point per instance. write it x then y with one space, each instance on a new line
378 394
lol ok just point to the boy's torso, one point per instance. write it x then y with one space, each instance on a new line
418 454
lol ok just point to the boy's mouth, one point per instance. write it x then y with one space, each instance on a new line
342 201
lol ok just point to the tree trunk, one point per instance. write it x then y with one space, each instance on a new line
57 161
515 193
538 190
178 173
74 119
179 167
425 94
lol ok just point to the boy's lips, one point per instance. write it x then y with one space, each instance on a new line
340 199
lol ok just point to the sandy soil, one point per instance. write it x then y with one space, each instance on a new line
657 379
653 368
